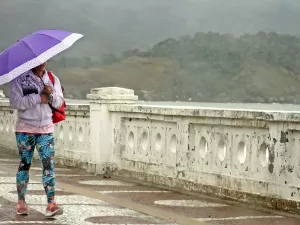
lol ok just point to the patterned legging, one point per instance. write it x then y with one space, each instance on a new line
44 143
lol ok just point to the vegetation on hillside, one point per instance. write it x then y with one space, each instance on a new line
207 67
264 67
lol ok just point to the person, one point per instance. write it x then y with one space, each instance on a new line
30 95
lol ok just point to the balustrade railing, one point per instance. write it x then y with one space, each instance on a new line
246 155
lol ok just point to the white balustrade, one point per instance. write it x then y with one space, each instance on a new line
73 137
7 126
224 152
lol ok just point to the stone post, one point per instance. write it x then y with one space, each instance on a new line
2 96
101 124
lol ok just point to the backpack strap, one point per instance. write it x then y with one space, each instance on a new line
51 77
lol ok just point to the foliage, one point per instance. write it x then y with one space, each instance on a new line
264 67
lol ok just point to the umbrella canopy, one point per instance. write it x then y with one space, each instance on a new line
32 51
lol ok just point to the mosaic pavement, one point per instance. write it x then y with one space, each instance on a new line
84 210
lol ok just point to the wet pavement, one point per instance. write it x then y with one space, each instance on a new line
146 205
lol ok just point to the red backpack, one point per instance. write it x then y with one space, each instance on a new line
58 115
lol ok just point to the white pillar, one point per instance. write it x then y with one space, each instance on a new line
102 123
2 96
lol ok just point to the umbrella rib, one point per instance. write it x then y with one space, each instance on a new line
8 60
27 46
36 56
51 36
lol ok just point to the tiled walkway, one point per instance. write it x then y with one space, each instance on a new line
89 200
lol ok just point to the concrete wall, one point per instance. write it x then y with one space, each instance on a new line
248 156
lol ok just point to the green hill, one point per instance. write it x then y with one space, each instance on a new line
207 67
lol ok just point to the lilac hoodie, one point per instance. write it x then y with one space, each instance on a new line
25 97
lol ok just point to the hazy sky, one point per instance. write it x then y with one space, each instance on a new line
117 25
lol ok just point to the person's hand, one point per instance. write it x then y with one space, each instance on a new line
47 90
44 99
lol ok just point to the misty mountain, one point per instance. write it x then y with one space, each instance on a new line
113 26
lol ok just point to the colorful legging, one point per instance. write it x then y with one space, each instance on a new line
44 143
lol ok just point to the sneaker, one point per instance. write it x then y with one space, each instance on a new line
22 208
53 210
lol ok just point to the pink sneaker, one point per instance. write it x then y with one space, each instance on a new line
22 208
53 210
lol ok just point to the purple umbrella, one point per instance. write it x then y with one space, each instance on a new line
32 51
